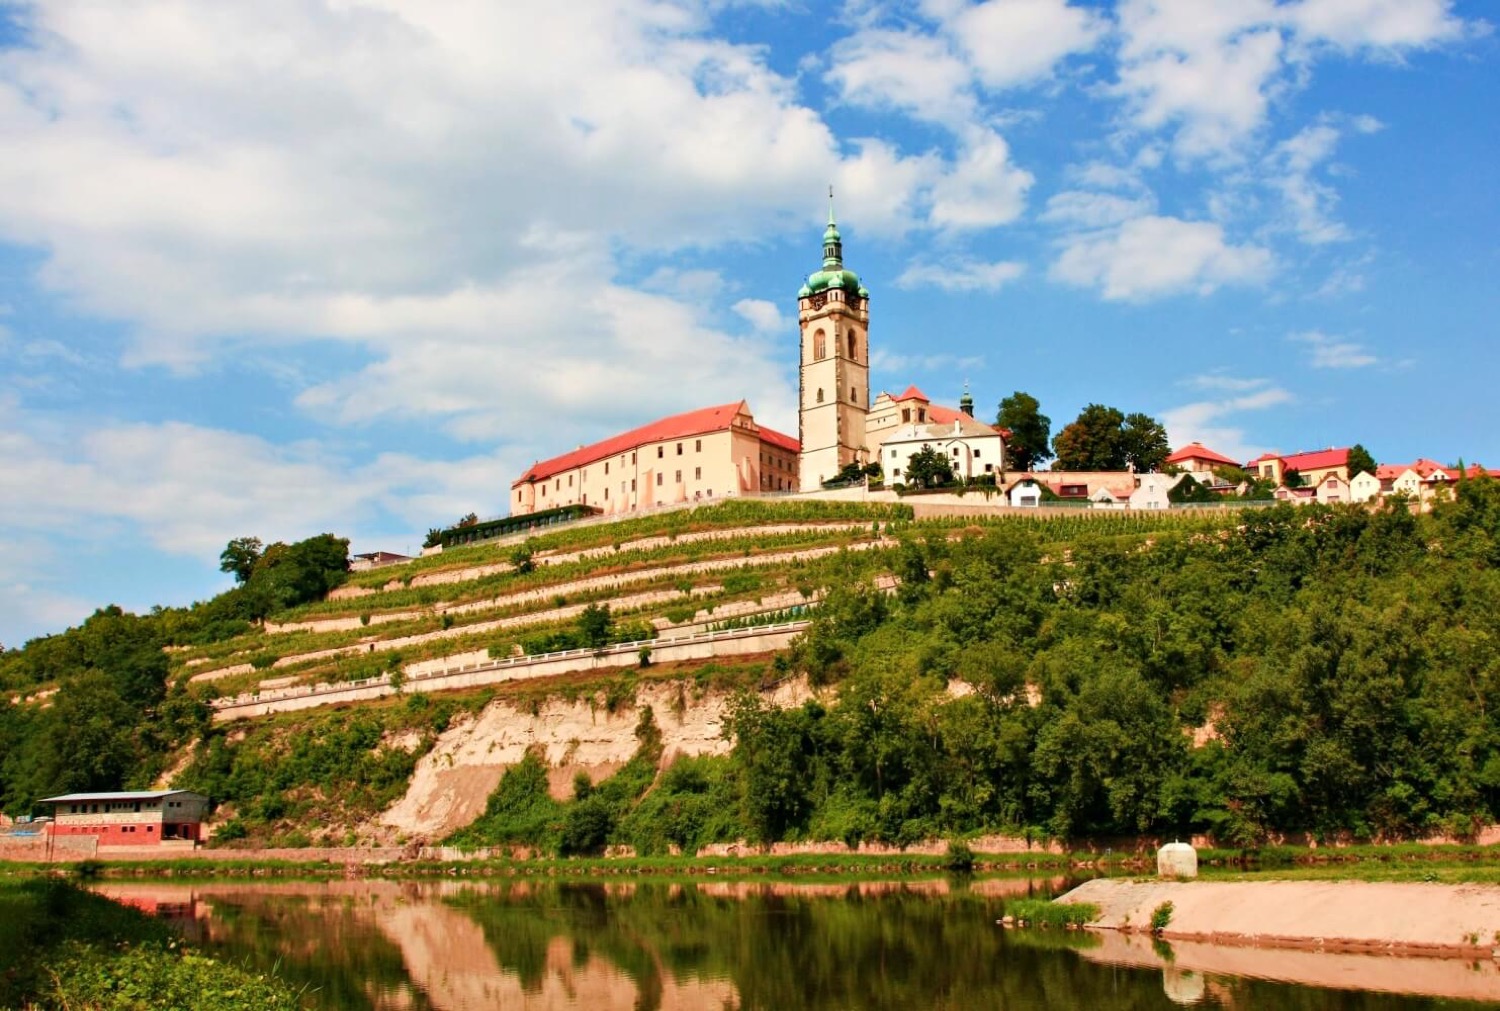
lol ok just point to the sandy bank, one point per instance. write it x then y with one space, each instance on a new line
1398 918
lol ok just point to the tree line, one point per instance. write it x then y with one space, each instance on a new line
1321 670
113 722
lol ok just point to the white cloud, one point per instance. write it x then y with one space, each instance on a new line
960 275
186 490
1084 209
983 189
1334 352
906 70
765 316
1308 201
884 361
1203 421
385 150
1376 24
1153 256
1014 42
1208 72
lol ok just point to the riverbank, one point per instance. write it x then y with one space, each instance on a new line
1409 918
62 947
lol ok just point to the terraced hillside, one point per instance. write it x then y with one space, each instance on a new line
785 671
456 664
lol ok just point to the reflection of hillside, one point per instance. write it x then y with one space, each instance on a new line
1439 977
751 946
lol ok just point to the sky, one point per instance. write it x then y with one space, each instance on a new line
298 266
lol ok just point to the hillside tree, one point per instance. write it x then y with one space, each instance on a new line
1030 431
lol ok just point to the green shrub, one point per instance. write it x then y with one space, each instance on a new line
1160 917
1041 913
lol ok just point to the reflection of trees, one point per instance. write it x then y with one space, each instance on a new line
897 950
326 945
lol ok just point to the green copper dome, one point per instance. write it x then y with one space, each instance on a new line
833 274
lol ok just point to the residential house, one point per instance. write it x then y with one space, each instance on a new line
1312 467
1153 489
1195 458
974 449
1365 487
1332 489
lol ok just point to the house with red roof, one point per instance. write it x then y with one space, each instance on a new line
896 423
710 453
1196 458
1313 466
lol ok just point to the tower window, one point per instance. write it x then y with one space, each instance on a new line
820 346
853 395
851 345
906 414
820 395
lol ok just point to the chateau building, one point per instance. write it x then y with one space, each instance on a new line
714 452
718 452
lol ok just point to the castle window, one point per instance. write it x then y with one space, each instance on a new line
679 449
976 454
697 473
820 346
658 480
660 450
820 395
853 395
921 414
678 478
906 414
851 344
632 484
698 446
606 466
606 493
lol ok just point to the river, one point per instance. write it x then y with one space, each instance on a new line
651 945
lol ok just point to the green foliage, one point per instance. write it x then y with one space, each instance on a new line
63 947
594 624
1042 913
1030 431
240 556
1161 916
1360 461
1105 438
928 468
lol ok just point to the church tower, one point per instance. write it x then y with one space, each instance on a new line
833 311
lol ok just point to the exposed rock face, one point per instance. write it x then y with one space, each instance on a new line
455 779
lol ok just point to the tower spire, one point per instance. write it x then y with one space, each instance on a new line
833 243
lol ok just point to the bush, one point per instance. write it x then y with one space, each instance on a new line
960 858
1041 913
1160 917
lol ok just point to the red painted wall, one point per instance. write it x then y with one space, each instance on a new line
126 835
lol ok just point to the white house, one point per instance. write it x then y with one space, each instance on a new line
1333 489
1025 493
974 449
1151 490
1364 488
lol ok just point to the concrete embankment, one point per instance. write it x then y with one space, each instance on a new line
1392 917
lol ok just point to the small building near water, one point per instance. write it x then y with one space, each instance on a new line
140 818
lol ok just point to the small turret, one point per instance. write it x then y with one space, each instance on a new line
966 402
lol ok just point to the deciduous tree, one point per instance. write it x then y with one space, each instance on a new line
1030 431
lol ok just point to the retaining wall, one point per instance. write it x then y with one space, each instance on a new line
702 646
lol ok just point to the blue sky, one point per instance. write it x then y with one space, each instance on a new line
296 266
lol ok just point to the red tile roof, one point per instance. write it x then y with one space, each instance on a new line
912 393
1198 451
678 426
1316 460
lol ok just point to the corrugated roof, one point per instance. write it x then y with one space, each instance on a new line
128 795
677 426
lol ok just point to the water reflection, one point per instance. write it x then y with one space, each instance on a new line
658 946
